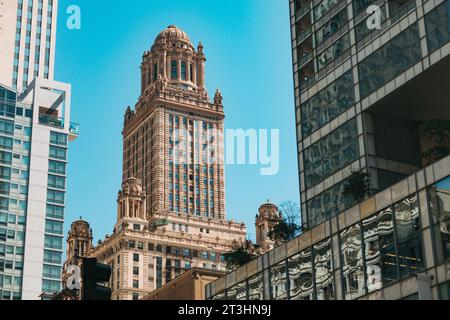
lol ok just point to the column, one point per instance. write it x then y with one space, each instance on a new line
194 66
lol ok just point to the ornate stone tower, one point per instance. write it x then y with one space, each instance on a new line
131 204
79 241
173 139
268 216
79 244
171 209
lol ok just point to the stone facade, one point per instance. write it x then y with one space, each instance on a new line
171 209
267 217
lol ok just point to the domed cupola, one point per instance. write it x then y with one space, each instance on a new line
174 60
173 37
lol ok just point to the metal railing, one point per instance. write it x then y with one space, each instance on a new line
45 119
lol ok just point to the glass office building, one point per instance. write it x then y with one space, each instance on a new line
35 131
362 92
395 245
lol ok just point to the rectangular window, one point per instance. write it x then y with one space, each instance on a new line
331 153
7 127
183 71
439 204
54 227
399 54
155 72
256 287
56 182
58 153
301 276
388 254
52 257
57 167
5 173
174 70
437 26
57 197
5 157
51 286
55 212
278 281
53 242
323 271
352 262
59 139
409 236
328 104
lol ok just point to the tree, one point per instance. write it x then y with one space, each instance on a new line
241 255
288 227
357 186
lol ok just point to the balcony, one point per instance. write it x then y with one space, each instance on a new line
47 120
51 121
74 129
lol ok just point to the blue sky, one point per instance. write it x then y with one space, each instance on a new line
248 57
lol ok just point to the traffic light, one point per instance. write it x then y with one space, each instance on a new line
94 274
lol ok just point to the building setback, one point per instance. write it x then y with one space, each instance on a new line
171 208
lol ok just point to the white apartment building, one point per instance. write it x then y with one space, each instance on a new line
35 131
27 38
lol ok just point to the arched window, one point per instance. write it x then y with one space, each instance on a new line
183 71
155 72
174 69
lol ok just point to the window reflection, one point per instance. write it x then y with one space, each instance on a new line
323 270
278 281
219 296
387 246
439 202
333 51
328 204
409 236
372 254
301 276
241 291
331 153
436 23
390 60
328 104
322 8
360 5
352 263
256 287
232 293
331 26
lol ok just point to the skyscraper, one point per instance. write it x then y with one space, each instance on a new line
173 140
171 208
35 135
28 36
